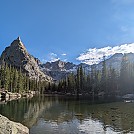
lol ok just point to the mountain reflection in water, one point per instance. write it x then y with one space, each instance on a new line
50 115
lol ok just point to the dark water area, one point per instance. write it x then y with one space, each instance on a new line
60 115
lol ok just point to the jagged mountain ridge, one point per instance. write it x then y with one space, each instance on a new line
59 69
17 55
58 65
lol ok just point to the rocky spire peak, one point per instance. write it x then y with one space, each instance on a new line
18 43
16 55
19 39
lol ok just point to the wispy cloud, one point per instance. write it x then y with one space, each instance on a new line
65 60
124 28
123 18
94 55
122 2
63 54
53 57
53 54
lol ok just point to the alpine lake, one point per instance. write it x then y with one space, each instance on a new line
67 115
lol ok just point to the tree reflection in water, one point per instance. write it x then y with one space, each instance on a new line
59 115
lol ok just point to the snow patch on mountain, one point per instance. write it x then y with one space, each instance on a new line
95 56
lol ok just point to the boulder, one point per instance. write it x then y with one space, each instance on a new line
4 95
10 127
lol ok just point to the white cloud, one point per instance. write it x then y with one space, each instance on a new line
53 54
65 60
63 54
94 55
53 57
124 28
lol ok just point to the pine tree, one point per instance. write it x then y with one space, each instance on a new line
7 77
15 80
88 83
112 81
11 78
104 76
2 76
71 83
124 75
78 82
81 76
20 81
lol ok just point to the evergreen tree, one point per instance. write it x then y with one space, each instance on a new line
7 77
11 78
81 76
104 76
20 81
78 82
2 75
71 83
112 81
124 75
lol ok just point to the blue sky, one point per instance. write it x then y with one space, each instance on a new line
66 29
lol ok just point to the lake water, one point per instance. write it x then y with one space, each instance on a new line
59 115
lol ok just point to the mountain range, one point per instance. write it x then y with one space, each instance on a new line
17 55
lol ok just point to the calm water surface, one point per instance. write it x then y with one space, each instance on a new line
55 115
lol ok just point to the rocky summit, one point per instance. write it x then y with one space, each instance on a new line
17 56
58 69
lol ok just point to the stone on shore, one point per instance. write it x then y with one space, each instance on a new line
10 127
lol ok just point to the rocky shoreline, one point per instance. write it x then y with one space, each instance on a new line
7 126
10 127
6 96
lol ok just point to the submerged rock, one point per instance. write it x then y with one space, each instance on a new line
10 127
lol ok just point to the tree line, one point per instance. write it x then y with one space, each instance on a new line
13 79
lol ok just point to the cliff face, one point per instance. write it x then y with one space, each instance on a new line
17 55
